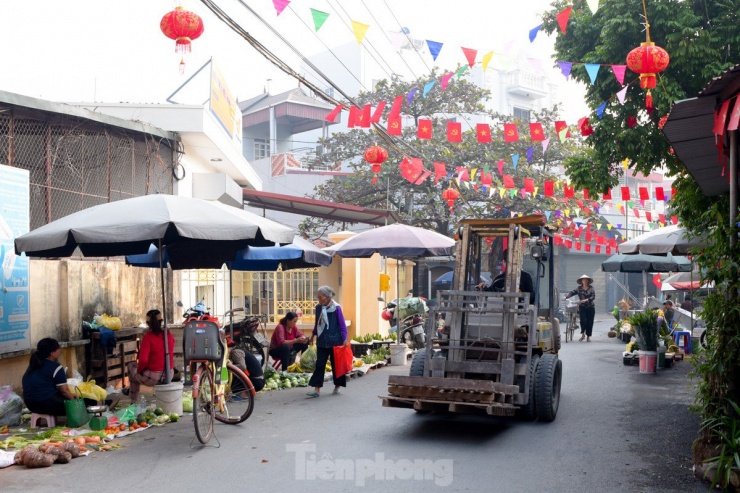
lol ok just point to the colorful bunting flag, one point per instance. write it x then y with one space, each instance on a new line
734 117
319 18
411 168
619 71
355 115
607 195
600 110
593 71
486 60
560 125
625 193
424 131
428 87
514 160
363 120
657 281
470 55
500 166
631 121
594 6
622 94
396 106
454 132
529 185
411 95
280 5
563 17
565 68
530 151
659 194
533 33
549 189
585 126
509 182
643 191
360 30
545 144
445 79
483 133
434 48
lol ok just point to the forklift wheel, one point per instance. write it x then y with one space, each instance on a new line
547 391
417 363
528 411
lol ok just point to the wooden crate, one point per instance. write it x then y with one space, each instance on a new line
110 369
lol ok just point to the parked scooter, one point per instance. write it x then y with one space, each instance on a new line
199 311
406 318
249 333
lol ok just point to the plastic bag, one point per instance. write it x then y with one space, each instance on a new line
308 359
113 323
343 360
91 391
75 380
127 413
11 406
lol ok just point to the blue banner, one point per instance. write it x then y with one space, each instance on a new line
15 334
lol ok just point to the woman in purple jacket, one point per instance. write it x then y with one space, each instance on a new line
330 330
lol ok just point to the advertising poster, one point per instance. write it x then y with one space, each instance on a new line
224 107
15 334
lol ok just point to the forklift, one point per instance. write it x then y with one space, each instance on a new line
498 352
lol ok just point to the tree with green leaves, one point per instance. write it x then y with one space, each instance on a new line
702 40
422 205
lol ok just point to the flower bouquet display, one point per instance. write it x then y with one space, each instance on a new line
647 326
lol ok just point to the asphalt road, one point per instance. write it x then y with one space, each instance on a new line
617 430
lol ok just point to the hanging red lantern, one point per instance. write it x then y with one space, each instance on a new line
376 155
450 196
182 26
647 60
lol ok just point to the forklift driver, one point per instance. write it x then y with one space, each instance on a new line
499 282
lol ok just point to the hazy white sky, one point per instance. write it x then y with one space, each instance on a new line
85 50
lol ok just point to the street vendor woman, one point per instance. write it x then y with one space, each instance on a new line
149 369
45 381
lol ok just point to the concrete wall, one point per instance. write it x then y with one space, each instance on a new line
63 293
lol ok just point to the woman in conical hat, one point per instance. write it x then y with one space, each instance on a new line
586 308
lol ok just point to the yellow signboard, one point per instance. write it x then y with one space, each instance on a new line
223 105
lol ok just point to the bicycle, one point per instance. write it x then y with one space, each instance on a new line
250 334
221 391
574 319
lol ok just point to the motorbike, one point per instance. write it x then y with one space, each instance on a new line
249 333
406 318
199 311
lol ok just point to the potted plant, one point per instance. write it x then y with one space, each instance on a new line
647 326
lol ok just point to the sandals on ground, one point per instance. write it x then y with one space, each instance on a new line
312 395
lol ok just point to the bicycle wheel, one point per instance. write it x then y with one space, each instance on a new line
238 401
569 328
202 408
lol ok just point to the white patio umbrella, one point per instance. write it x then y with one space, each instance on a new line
671 239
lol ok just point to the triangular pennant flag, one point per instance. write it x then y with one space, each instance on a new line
500 166
472 173
332 116
561 125
434 48
359 29
486 60
593 71
445 79
530 151
622 94
470 55
594 6
462 173
565 68
428 87
515 160
600 110
563 134
563 18
411 95
619 71
545 144
280 5
319 18
533 33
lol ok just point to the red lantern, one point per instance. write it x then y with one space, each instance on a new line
376 155
647 60
450 196
182 26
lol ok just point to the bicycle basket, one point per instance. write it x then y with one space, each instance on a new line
571 305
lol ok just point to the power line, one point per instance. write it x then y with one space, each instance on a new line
389 40
366 40
411 42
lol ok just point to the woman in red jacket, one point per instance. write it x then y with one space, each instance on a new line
149 369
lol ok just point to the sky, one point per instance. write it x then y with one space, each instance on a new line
106 51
